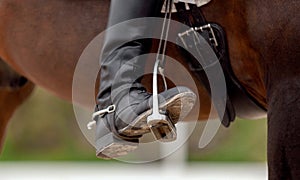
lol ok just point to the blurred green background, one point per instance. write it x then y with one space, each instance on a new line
44 129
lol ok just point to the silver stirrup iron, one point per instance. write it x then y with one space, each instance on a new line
160 125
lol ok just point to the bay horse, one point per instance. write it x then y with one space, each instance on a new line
43 40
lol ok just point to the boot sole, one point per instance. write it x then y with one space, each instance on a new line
111 146
177 107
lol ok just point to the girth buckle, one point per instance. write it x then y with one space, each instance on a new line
208 28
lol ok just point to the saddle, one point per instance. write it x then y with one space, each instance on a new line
238 102
173 9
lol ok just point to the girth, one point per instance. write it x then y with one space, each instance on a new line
238 101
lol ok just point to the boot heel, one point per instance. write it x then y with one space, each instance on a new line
111 146
162 128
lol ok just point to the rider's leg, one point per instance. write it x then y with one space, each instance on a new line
120 70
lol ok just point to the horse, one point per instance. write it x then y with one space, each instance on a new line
14 89
38 38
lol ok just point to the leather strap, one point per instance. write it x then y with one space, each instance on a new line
238 101
195 18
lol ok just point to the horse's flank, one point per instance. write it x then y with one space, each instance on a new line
43 40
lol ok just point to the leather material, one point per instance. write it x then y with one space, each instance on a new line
244 104
198 20
238 101
113 57
121 67
134 103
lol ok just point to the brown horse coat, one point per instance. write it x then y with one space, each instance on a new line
40 38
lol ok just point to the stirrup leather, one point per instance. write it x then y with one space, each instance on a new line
159 123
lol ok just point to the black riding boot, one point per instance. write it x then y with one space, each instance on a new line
123 103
